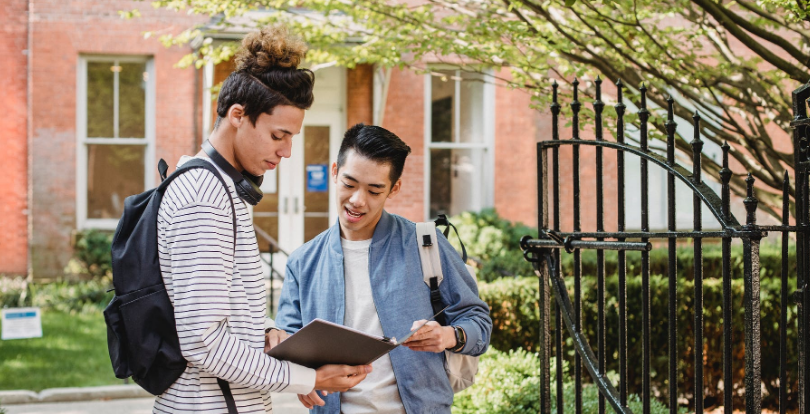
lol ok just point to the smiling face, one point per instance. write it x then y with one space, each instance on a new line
260 147
362 187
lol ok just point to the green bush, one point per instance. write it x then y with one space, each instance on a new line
493 242
770 259
64 296
590 399
515 312
506 383
91 254
509 383
516 326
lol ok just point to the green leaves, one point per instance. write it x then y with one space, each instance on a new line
709 54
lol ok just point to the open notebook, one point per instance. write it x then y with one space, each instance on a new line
321 342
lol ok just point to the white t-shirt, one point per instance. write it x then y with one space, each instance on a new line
378 393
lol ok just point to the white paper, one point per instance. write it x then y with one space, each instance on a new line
21 323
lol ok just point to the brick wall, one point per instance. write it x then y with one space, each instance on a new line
61 32
516 129
360 95
14 167
405 116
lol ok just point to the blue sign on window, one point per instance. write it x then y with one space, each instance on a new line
317 178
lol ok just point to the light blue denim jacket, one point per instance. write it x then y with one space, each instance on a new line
314 288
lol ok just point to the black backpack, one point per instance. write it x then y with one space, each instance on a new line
141 332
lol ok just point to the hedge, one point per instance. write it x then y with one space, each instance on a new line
515 315
770 260
495 244
509 383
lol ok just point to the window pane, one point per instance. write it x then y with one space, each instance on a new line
100 105
472 108
443 90
114 172
455 181
132 80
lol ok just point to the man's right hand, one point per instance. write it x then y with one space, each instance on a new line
333 378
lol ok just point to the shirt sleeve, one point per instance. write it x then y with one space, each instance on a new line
200 241
466 309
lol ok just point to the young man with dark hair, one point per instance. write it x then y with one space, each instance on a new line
211 271
365 273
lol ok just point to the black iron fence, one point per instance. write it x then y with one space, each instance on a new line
545 253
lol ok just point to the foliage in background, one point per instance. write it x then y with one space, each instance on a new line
515 312
506 383
509 383
71 353
515 329
590 398
91 254
735 62
68 297
494 242
770 260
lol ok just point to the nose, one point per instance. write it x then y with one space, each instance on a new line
358 199
286 148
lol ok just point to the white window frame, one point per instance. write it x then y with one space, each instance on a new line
488 144
82 141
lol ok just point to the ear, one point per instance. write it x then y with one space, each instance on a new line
236 115
395 188
334 172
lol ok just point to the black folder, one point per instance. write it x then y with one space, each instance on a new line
321 342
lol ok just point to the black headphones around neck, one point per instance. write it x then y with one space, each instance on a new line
247 184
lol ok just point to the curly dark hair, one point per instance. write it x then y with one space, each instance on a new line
267 75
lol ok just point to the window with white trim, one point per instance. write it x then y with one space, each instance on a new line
115 130
459 137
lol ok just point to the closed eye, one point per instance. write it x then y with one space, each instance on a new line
275 138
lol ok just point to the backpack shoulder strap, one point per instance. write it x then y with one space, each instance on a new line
443 221
193 164
431 264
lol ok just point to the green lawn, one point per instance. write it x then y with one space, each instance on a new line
71 353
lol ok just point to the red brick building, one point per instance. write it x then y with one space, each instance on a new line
91 106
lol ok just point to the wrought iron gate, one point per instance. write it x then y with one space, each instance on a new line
545 253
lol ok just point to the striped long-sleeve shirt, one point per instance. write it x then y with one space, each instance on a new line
218 294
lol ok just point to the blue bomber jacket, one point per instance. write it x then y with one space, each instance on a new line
314 288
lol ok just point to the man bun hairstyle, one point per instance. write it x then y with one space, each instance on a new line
377 144
267 75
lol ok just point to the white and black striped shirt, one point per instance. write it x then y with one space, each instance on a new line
219 301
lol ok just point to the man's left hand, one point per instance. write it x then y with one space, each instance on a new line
273 338
431 338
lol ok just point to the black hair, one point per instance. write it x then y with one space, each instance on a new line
266 75
377 144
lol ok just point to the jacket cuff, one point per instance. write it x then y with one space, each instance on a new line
474 345
302 379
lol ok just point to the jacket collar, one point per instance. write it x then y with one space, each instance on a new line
381 233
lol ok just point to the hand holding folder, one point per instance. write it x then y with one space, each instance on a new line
321 343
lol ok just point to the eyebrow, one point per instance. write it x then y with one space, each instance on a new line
380 186
285 131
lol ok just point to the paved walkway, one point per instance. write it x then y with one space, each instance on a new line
282 403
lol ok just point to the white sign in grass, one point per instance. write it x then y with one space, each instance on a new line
18 323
